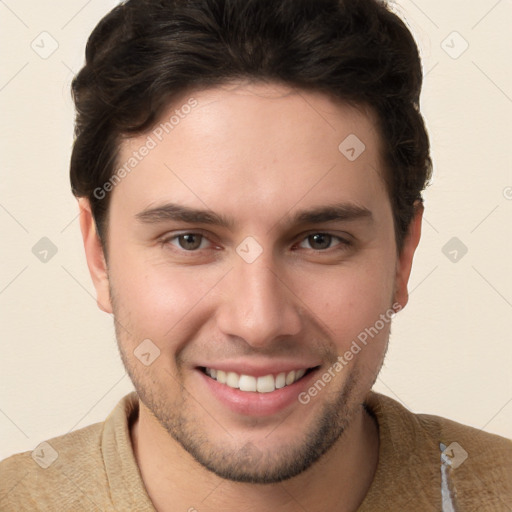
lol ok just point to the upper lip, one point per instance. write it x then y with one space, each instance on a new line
259 369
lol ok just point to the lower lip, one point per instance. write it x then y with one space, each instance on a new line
257 404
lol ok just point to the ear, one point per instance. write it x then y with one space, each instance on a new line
96 260
404 264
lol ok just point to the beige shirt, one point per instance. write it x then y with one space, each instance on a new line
426 463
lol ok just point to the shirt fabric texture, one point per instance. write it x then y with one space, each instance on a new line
426 463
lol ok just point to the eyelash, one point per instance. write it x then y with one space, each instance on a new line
343 243
167 241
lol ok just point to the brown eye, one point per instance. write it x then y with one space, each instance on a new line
320 241
188 241
323 241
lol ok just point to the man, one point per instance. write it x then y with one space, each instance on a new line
249 176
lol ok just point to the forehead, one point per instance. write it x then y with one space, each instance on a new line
244 145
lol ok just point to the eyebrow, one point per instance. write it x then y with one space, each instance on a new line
175 212
338 212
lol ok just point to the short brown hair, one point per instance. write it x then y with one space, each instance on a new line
145 53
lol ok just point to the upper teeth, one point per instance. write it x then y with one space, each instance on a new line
265 384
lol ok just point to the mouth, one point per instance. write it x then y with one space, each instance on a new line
255 390
257 384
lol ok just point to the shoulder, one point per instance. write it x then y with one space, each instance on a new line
471 465
397 419
474 439
477 464
487 456
48 475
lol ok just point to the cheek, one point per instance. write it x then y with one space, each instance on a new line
157 299
349 301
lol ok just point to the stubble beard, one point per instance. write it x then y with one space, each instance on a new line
248 463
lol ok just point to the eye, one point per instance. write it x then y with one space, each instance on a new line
321 241
189 241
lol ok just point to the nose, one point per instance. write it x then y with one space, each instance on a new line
258 304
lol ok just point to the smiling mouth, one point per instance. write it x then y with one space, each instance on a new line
264 384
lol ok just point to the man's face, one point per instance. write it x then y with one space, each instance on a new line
246 242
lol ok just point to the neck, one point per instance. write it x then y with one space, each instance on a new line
175 481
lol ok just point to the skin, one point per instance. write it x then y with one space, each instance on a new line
255 154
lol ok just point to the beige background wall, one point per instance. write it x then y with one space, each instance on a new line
451 349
